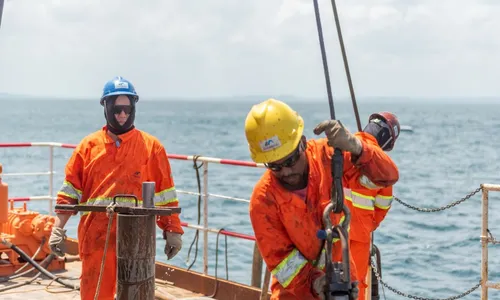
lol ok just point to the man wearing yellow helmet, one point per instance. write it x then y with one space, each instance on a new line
287 202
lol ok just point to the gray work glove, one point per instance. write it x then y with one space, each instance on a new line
319 286
56 241
339 137
173 243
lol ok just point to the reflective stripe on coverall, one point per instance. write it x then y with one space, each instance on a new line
368 208
285 226
98 170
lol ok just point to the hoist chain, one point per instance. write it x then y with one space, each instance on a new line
375 270
440 208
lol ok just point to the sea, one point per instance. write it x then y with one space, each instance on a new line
451 149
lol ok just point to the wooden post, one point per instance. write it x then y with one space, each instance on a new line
369 283
136 250
135 254
264 292
256 267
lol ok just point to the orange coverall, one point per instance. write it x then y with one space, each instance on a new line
285 224
368 207
97 171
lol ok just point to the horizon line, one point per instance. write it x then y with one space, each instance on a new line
6 96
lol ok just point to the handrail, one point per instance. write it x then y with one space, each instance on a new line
205 194
486 238
207 159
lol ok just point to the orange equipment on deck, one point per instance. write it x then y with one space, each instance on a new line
25 229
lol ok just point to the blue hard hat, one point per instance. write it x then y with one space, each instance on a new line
118 86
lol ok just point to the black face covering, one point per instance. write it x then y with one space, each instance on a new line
380 131
111 121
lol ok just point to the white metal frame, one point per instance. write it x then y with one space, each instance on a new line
486 188
485 240
205 194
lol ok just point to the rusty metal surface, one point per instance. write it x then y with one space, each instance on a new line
148 207
181 280
206 285
135 253
122 209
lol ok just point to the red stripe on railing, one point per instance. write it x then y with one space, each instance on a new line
10 145
178 156
172 156
18 199
68 146
228 233
238 235
238 163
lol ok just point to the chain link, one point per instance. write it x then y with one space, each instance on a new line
492 239
468 196
475 287
375 270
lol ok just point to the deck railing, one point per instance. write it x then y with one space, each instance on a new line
257 263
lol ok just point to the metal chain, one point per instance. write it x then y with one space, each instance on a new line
374 266
440 208
492 239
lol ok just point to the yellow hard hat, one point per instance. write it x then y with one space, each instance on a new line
273 131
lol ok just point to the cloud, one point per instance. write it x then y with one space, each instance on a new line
416 48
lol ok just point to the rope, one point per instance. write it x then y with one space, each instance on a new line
44 264
196 167
324 60
60 291
16 273
217 262
110 211
346 65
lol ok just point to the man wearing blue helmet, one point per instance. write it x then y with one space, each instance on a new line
119 97
114 160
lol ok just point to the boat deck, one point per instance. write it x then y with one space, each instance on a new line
44 288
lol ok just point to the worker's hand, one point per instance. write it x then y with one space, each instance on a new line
339 137
173 243
319 286
56 241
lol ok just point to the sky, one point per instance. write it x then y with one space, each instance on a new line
225 48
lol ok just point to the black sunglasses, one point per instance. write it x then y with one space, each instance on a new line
127 109
288 163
